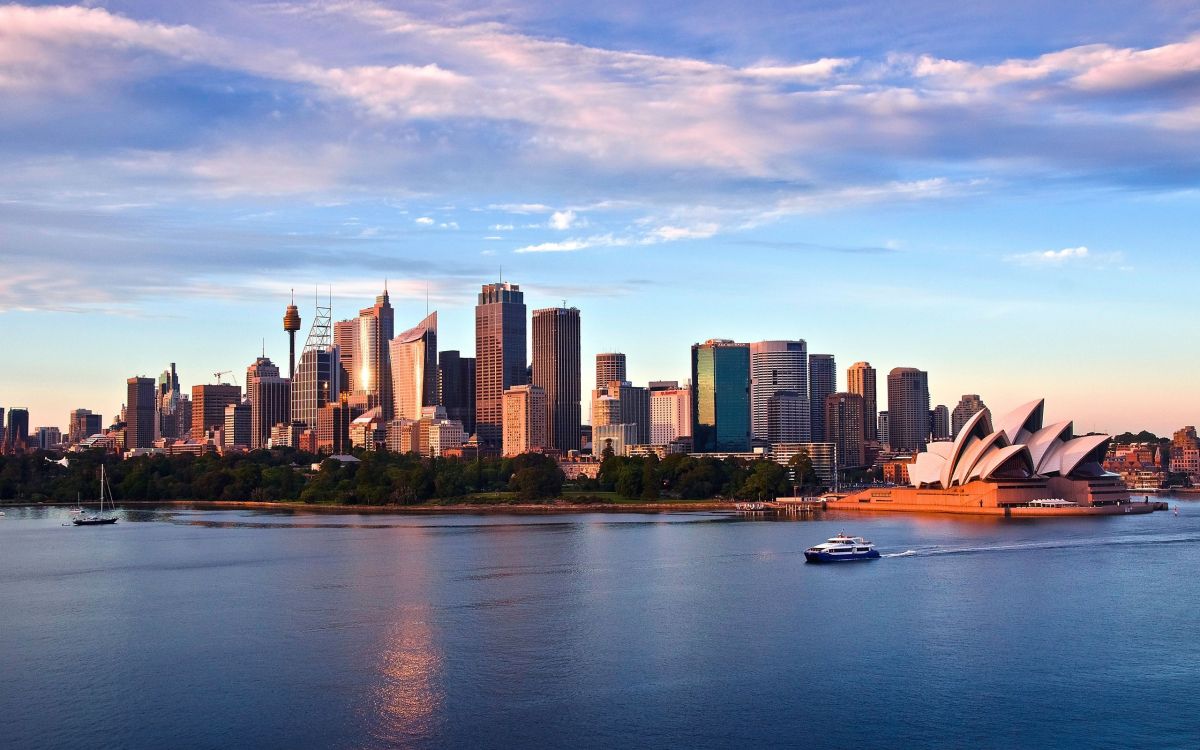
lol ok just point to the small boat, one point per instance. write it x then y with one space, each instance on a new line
99 519
841 548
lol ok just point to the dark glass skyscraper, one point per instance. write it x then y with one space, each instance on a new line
16 437
556 370
500 360
720 396
822 383
456 388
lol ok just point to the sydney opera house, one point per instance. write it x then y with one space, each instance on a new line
1014 467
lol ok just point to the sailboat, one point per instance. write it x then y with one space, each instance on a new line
99 519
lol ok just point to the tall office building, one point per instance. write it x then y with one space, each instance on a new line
610 366
885 437
3 433
633 407
168 405
318 373
414 366
556 370
83 423
500 361
939 423
237 425
822 382
372 357
787 416
345 338
606 409
778 366
720 396
860 379
967 406
46 438
908 409
844 428
456 388
270 400
670 414
16 436
208 406
140 413
524 419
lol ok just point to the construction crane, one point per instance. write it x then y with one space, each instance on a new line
217 375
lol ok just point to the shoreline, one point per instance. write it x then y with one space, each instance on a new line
700 506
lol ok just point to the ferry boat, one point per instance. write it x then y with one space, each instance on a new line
841 548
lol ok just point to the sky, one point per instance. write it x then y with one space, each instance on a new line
1005 194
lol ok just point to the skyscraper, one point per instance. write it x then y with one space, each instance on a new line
16 437
610 366
372 357
844 427
270 400
556 370
83 423
414 367
822 381
318 374
860 379
939 423
524 419
967 406
908 409
168 405
140 413
456 388
787 416
500 361
885 437
208 406
778 366
720 396
345 338
237 425
670 415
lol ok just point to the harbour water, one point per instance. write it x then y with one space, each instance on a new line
205 629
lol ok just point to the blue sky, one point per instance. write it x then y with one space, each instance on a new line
1003 194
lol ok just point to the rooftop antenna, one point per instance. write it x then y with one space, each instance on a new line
264 343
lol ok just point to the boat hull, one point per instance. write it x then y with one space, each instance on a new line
93 521
825 557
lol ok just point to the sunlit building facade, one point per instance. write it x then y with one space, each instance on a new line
720 396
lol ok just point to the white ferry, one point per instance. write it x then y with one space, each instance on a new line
841 548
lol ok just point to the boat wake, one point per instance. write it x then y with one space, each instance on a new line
905 553
1052 545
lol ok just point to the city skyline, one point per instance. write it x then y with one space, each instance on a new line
920 189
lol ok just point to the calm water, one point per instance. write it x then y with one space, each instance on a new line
223 629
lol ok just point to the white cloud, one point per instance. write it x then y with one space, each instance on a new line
424 220
562 220
1069 256
501 227
672 233
449 225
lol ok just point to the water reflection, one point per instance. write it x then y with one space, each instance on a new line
407 699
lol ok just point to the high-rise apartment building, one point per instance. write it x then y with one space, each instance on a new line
500 361
524 419
939 423
82 423
967 406
885 437
822 382
610 366
860 379
333 428
414 366
345 338
556 370
606 409
670 415
778 366
844 428
318 373
208 406
270 400
720 396
908 409
456 388
140 413
372 357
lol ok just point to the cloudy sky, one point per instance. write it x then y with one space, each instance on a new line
1002 193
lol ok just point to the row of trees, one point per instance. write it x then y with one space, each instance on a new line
277 475
697 478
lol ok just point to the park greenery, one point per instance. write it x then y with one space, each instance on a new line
380 478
